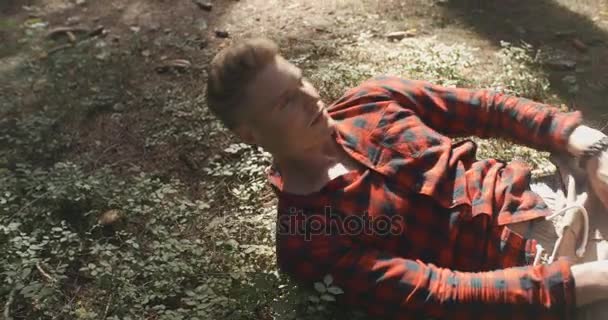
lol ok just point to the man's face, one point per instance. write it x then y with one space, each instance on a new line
284 113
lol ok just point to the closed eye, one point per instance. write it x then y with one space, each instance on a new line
290 98
291 95
283 100
286 101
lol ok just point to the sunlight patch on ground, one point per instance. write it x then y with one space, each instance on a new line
54 6
422 58
590 10
279 19
138 12
11 63
417 58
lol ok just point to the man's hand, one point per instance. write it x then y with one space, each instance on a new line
591 282
582 138
597 171
597 168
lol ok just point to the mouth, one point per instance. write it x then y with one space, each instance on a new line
317 117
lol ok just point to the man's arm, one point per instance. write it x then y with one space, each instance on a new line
391 287
483 113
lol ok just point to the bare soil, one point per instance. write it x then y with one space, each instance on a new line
143 34
118 110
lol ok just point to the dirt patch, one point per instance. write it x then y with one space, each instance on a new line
140 35
12 7
569 31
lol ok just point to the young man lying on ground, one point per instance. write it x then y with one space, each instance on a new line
373 191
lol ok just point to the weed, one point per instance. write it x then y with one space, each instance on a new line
520 72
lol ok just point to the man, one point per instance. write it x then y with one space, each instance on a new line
373 191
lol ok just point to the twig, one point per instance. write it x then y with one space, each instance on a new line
70 33
105 313
114 145
59 48
54 33
120 162
99 30
7 305
71 36
268 195
46 275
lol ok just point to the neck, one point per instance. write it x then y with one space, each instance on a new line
309 164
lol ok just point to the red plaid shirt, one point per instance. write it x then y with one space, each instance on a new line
420 232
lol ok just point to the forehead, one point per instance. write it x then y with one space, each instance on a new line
273 81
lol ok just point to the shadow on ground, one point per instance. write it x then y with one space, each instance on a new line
102 98
548 24
103 101
11 6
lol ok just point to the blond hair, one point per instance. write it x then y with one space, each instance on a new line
230 73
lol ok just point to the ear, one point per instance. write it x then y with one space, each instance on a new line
245 134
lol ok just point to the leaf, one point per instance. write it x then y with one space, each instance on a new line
46 291
335 290
250 249
14 225
328 297
214 223
328 279
26 272
232 243
320 287
314 299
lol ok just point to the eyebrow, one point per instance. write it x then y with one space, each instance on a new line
284 95
282 98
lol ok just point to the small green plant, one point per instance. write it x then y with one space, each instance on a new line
520 73
325 293
32 137
334 78
438 62
143 263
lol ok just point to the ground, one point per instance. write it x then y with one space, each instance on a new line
121 196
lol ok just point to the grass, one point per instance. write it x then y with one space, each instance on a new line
192 218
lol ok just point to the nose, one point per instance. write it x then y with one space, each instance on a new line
313 101
311 92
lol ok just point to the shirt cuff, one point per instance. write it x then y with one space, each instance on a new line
562 126
564 298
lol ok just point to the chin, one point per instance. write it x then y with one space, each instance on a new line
330 122
328 128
